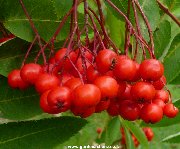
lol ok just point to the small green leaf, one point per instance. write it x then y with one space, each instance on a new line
172 60
162 37
44 134
129 141
173 138
137 131
16 104
112 132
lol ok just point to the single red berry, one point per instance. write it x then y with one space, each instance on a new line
143 92
30 72
113 109
86 95
151 113
159 102
92 74
149 133
82 112
105 60
102 105
59 98
73 83
46 82
125 69
127 93
129 110
151 70
170 110
44 104
99 130
159 84
108 86
163 95
15 80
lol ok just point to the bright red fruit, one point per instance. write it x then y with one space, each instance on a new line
46 82
149 133
143 92
99 130
162 94
73 83
170 110
113 109
159 102
30 72
15 80
102 105
129 110
83 112
44 104
125 69
151 70
86 95
127 93
59 98
159 84
137 76
121 89
64 77
92 74
105 60
108 86
151 113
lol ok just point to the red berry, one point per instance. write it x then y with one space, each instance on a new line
151 113
86 95
46 82
59 98
73 83
99 130
82 112
159 84
30 72
143 91
15 80
105 60
159 102
127 93
163 95
102 105
121 89
125 69
137 76
64 77
108 86
149 133
170 110
44 104
92 74
113 108
129 110
151 70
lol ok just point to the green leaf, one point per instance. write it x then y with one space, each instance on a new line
16 104
172 61
45 134
162 37
112 132
129 141
137 131
173 138
44 13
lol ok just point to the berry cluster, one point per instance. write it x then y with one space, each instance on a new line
147 131
90 84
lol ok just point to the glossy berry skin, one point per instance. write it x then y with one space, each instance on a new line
92 74
159 84
113 109
143 92
137 75
64 62
46 82
151 113
149 133
121 89
159 102
105 60
127 93
15 80
30 72
170 110
151 70
59 98
82 112
129 110
125 69
44 104
108 86
65 77
86 95
163 95
102 105
73 83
